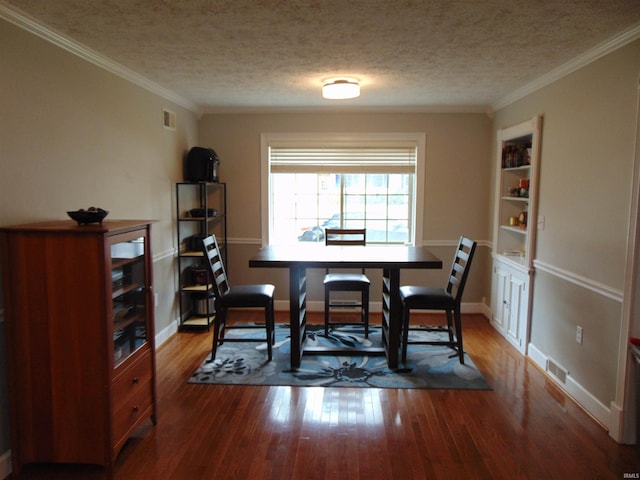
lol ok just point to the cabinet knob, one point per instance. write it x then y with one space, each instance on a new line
136 409
135 380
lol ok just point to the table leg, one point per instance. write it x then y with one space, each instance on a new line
391 314
297 312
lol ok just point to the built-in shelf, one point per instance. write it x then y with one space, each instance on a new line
515 223
516 199
519 230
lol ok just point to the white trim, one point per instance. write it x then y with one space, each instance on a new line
584 282
244 241
617 429
626 429
577 63
18 18
453 243
5 464
166 333
169 253
579 394
427 243
481 109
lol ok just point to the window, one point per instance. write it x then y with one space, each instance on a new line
314 182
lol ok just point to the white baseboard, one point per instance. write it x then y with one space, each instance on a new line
5 464
166 333
590 404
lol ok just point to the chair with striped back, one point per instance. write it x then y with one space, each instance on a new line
447 299
240 296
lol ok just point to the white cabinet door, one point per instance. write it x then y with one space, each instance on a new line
510 303
500 295
518 308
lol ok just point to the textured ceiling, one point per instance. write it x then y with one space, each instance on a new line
409 54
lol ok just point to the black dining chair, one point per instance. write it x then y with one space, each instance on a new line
346 282
240 296
447 299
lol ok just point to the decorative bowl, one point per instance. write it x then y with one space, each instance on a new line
84 217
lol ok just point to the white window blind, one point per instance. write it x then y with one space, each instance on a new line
399 159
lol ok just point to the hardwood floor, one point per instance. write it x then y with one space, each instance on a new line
524 428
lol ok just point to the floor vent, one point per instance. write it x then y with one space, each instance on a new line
558 372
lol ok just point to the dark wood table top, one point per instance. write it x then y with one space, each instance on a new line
317 255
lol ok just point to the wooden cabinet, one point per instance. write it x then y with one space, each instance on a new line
515 225
80 339
201 210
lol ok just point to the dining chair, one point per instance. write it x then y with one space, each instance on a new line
237 296
346 282
447 299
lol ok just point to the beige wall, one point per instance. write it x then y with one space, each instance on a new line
585 193
457 184
73 135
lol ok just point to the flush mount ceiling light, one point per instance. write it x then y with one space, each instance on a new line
340 88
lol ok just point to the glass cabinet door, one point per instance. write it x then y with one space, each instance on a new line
128 280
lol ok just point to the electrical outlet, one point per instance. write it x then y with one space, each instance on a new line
540 222
155 299
579 332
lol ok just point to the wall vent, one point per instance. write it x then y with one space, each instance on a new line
169 119
555 370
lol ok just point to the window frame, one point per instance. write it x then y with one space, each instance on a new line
413 139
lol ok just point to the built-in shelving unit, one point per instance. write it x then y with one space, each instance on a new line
515 224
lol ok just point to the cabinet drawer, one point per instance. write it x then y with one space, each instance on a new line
132 397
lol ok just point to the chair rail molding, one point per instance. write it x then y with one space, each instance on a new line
584 282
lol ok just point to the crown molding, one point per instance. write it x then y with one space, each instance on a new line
20 19
577 63
421 109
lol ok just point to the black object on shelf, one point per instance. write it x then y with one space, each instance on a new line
199 212
201 165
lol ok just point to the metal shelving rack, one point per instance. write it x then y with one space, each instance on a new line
201 210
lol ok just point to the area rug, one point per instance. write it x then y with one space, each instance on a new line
431 367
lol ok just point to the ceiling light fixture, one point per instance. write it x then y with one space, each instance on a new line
340 88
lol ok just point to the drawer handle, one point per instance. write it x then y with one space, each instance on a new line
136 380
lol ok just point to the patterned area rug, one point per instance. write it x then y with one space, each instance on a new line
427 366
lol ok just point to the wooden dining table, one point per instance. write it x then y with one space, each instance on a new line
390 258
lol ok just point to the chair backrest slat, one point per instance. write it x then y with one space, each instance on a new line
345 236
217 273
460 267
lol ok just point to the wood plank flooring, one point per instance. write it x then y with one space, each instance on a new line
524 428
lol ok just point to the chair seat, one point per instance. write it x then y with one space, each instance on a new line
248 295
331 279
426 297
345 281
